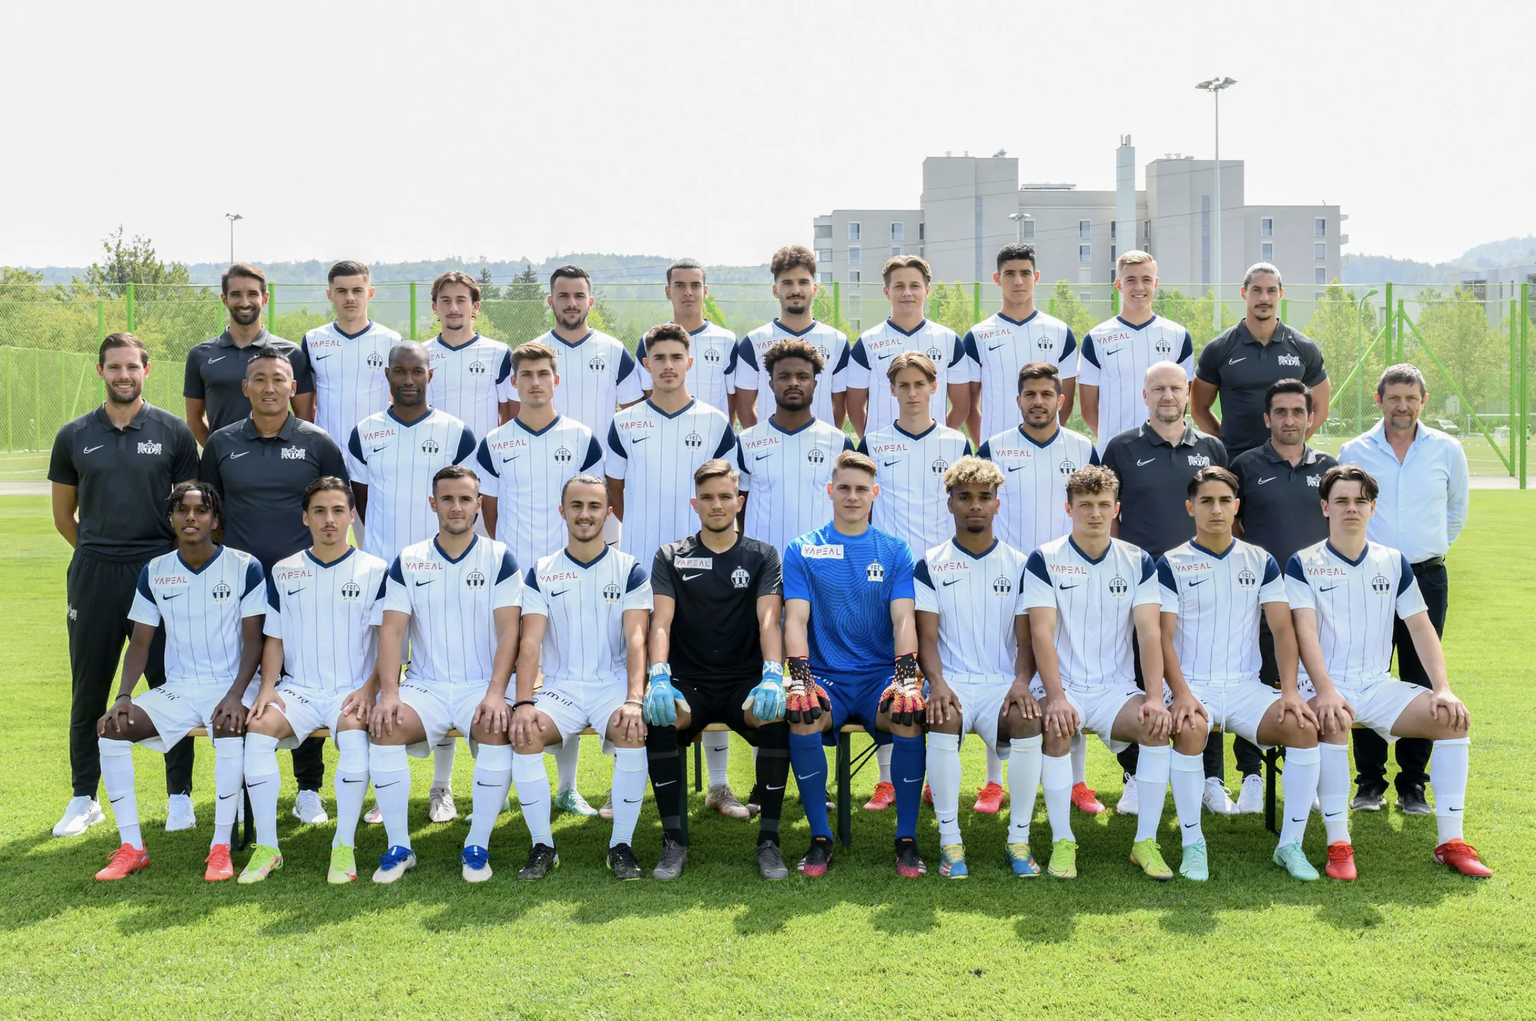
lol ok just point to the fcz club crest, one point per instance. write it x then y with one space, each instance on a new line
875 572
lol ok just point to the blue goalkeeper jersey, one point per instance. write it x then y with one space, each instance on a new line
850 582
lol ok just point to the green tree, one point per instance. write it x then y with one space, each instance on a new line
526 285
1193 313
488 290
1065 305
1342 337
1473 353
951 305
132 262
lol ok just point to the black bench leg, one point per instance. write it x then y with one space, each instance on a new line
1270 769
682 815
844 793
248 835
698 766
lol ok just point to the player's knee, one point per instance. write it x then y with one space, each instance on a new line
1189 741
814 727
271 724
224 730
1055 745
908 729
1015 726
951 725
482 735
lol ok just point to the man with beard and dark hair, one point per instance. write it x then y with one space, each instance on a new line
216 368
794 285
110 472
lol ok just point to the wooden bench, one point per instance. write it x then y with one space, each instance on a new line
847 767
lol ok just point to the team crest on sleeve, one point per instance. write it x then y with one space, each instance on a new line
375 361
563 455
1246 578
1118 587
221 593
475 580
430 446
1002 585
815 456
875 572
740 577
477 368
597 363
351 592
1380 585
939 466
693 441
611 593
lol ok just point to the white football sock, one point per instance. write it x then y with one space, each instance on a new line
1333 790
263 783
944 778
493 778
566 754
117 775
1056 782
1151 788
1448 765
628 792
1298 786
1187 778
883 760
391 775
717 757
994 766
228 776
1024 763
1079 759
351 784
442 762
532 784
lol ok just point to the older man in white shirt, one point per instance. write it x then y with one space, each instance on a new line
1421 510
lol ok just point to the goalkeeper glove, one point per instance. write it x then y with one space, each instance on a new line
805 700
766 701
661 699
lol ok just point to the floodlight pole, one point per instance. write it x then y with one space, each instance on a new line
232 217
1214 87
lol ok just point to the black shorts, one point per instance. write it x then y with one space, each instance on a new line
716 702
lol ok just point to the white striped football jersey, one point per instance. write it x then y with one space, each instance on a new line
1093 600
977 599
870 359
1033 500
327 616
656 455
597 374
833 379
201 610
998 347
585 604
469 381
452 605
350 375
786 474
524 471
396 461
1357 602
1218 598
712 379
1115 358
910 469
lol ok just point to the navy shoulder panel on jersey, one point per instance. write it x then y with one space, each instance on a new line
636 578
144 589
395 572
614 443
594 453
626 365
506 367
508 566
1069 346
253 576
1271 569
1036 565
1293 568
920 573
1405 575
858 353
1148 568
1165 575
466 446
483 455
1088 350
355 446
531 579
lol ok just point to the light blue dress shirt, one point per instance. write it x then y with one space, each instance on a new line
1423 503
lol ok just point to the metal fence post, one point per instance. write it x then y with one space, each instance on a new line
10 403
1114 300
837 302
1514 386
975 302
101 320
1285 310
412 333
1391 323
132 321
1525 319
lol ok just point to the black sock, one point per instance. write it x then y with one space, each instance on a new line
666 769
1129 758
772 775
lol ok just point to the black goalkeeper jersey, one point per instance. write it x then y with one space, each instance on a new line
714 627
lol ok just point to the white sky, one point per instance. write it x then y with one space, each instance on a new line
388 130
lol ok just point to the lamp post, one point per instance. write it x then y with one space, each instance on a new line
232 217
1214 87
1018 225
1360 356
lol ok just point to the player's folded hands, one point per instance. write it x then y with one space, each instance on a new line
766 701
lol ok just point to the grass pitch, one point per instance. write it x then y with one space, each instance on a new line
1409 939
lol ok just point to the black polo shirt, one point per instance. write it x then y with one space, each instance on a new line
216 368
715 635
1282 508
1241 369
262 480
1153 476
123 477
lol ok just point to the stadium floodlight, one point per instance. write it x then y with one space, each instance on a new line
1214 87
1018 225
232 217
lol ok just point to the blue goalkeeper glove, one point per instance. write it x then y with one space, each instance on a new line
766 702
661 699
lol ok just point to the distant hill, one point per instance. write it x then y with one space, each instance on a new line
1362 269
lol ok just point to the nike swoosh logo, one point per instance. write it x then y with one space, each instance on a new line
560 593
886 357
113 801
1330 588
1115 350
1270 479
889 463
1190 825
1202 581
945 822
257 783
811 776
665 783
1330 815
906 780
1141 463
950 582
1065 587
294 591
994 347
241 454
1016 468
631 801
479 784
690 577
761 456
780 787
318 358
88 450
220 358
1234 361
381 786
638 439
514 457
345 780
1298 820
225 797
429 581
377 449
1453 810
